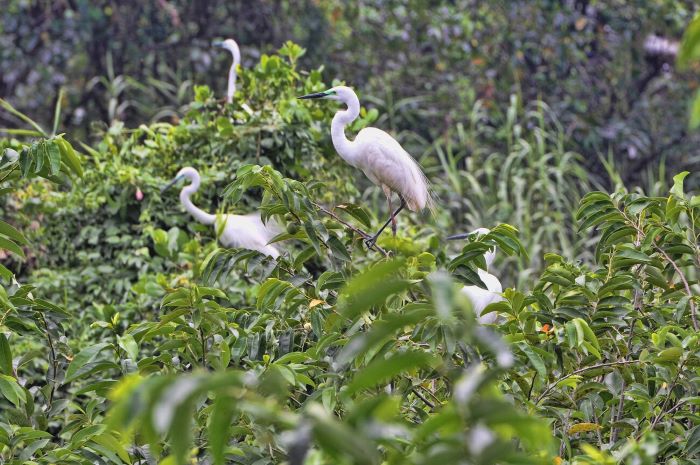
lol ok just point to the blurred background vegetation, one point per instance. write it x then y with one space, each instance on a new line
608 87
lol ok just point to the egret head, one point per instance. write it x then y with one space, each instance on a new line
228 44
185 173
488 256
341 93
231 46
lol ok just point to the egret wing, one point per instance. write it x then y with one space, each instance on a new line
385 162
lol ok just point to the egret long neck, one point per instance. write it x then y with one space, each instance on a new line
200 215
232 76
341 119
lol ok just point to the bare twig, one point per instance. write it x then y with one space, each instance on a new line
583 370
420 396
691 303
671 387
51 379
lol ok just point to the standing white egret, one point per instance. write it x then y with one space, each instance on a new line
481 298
379 156
241 231
231 46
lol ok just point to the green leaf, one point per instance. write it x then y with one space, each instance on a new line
54 157
5 356
362 291
535 360
110 442
357 212
12 233
677 188
672 354
11 246
695 111
128 344
588 333
383 369
692 444
337 438
219 426
690 45
381 331
85 433
84 357
11 390
69 156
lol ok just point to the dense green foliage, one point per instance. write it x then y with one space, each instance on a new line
127 335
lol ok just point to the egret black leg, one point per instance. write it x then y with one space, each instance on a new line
393 217
372 240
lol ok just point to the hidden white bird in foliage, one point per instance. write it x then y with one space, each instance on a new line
231 46
481 298
379 156
240 231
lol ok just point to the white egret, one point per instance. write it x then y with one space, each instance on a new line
231 46
481 298
379 156
240 231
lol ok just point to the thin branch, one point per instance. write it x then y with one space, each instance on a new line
420 396
693 315
358 231
583 370
671 387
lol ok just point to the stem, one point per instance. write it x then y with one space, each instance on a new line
358 231
691 303
420 396
204 346
52 360
532 385
673 384
583 370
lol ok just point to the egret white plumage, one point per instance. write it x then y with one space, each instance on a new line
231 46
379 156
481 298
240 231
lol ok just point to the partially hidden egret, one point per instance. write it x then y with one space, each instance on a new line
231 46
481 298
379 156
240 231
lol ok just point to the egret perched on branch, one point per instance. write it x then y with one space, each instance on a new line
379 156
241 231
481 298
231 46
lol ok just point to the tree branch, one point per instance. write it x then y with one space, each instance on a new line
358 231
583 370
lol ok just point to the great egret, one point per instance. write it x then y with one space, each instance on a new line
379 156
241 231
481 298
231 46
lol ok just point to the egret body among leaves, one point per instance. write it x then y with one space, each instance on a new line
240 231
481 298
379 156
231 46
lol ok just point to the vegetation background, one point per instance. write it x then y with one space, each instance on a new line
128 336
